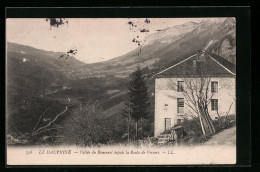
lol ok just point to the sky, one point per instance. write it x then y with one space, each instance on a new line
96 39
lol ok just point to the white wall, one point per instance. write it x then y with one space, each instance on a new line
166 93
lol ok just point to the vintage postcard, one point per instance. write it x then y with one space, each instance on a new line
120 91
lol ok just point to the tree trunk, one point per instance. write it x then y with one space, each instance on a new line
205 125
209 129
210 121
136 129
202 127
128 128
142 132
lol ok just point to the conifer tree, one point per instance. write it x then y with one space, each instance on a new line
137 102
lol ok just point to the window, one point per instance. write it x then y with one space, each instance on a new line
167 123
180 104
202 57
214 104
180 86
178 121
198 57
214 87
165 107
194 63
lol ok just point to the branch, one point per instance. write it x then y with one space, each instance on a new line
208 101
41 116
46 130
195 110
229 109
191 114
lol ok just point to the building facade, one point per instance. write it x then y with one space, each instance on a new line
172 104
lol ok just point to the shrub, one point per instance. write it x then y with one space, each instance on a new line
224 122
192 131
84 127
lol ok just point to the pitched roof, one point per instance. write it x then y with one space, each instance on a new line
197 65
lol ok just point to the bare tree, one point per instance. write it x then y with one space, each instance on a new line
197 98
195 89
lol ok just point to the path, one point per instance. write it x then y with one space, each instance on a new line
226 137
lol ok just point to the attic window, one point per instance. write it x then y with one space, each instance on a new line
194 63
166 105
198 57
202 57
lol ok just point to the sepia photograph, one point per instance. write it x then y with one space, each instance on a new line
121 91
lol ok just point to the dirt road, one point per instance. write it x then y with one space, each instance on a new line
226 137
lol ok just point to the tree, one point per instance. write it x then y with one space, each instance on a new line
84 126
196 93
196 82
127 114
197 98
137 102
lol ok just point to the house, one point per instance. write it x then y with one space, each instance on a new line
172 104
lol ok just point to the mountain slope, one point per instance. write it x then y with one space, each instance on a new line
33 72
38 80
171 45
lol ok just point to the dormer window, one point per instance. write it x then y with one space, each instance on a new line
198 57
194 63
202 57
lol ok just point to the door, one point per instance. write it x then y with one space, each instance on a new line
167 123
178 121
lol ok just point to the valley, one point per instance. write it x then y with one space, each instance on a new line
43 88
